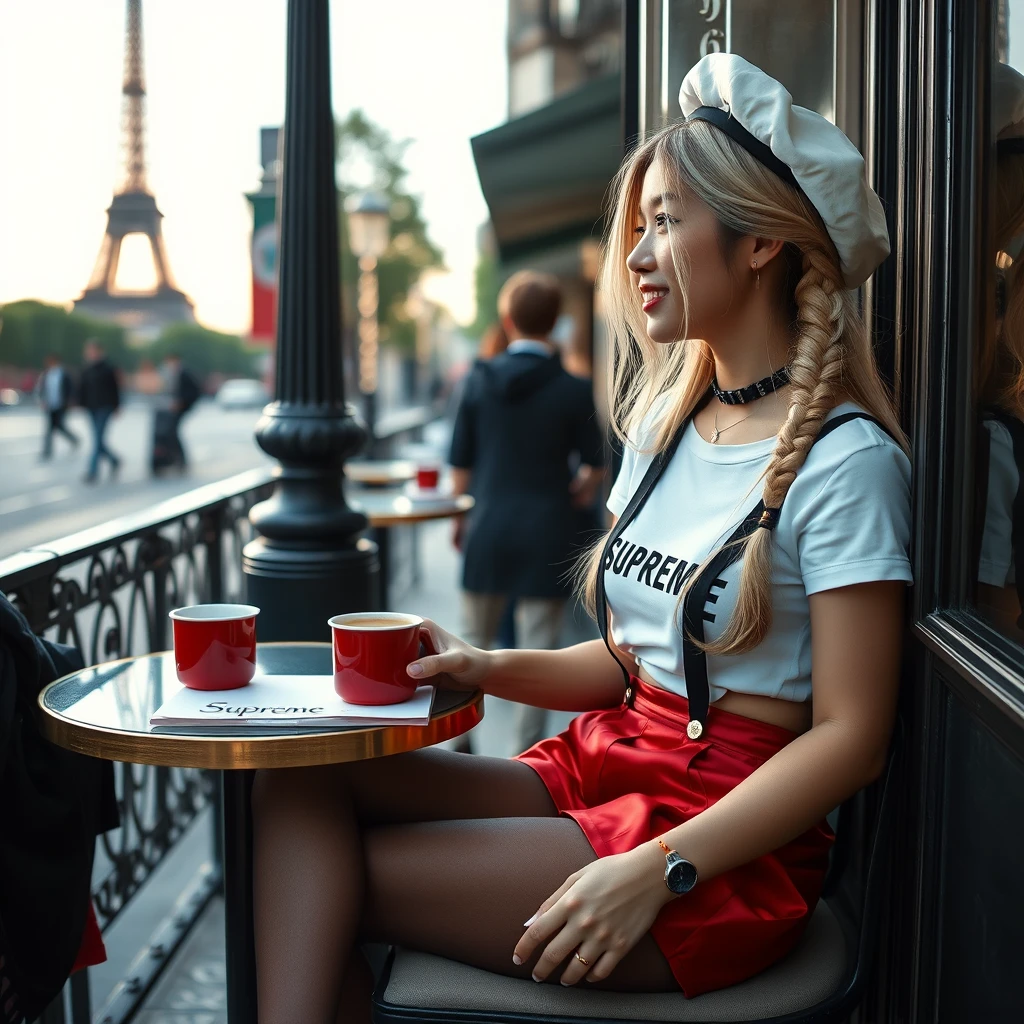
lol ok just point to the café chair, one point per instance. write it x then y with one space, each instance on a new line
821 981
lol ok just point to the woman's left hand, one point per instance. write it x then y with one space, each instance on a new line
600 912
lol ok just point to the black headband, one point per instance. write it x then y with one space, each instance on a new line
754 146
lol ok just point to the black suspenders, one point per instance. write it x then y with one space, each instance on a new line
695 662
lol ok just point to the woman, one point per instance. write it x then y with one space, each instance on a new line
659 843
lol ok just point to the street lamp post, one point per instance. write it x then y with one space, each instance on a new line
309 560
368 233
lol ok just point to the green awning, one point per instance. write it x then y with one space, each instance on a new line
545 174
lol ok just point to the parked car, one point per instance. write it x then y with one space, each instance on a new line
242 394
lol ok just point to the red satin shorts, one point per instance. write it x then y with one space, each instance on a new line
628 774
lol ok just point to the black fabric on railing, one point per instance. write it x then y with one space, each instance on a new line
54 804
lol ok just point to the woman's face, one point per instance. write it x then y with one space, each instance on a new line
663 217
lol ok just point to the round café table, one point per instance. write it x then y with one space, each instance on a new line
104 711
386 509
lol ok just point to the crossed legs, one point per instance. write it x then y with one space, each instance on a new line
439 851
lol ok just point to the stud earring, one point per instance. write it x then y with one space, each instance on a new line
757 277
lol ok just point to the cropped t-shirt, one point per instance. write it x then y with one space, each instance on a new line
845 520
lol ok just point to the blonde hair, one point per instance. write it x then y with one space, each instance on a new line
830 357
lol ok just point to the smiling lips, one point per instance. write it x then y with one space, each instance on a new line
652 296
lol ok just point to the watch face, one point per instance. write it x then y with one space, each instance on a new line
680 876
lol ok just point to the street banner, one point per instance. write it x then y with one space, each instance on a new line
264 268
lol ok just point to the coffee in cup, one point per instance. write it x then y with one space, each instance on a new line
215 645
372 651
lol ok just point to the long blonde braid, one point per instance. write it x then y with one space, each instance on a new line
816 372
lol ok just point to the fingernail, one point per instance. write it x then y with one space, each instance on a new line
526 924
516 960
415 670
564 984
535 978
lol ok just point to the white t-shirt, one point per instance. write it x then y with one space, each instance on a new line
845 520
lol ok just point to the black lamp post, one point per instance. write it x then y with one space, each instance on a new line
309 561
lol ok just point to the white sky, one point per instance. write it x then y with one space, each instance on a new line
430 70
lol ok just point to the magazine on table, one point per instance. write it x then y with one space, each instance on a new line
286 702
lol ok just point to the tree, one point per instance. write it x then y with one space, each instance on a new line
487 282
365 148
31 330
203 351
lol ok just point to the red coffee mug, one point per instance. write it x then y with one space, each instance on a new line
371 653
428 477
215 645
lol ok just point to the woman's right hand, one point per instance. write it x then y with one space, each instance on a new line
465 666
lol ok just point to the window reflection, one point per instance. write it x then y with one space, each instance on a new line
768 33
999 355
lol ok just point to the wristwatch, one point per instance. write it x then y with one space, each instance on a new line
680 874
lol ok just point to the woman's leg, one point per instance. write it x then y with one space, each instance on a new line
348 852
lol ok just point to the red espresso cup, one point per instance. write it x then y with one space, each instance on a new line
371 653
215 645
428 477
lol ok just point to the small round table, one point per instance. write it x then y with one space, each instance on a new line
386 509
104 711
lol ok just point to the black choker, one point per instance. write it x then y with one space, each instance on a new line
752 392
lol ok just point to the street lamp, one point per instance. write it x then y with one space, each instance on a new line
369 231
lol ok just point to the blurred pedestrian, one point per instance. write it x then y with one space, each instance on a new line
100 395
493 342
54 390
181 392
521 418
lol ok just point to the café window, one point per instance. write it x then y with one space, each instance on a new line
826 34
997 554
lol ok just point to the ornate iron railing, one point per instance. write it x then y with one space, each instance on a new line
107 591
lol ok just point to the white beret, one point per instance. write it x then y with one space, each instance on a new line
799 145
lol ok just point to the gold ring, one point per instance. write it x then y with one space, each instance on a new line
586 963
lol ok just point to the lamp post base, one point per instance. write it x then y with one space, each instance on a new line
299 590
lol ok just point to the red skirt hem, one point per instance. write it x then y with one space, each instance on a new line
628 774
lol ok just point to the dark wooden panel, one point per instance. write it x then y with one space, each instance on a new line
981 891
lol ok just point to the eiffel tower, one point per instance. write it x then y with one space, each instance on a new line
134 211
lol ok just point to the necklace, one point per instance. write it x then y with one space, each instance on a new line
716 433
752 392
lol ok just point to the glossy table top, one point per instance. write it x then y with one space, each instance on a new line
395 508
105 711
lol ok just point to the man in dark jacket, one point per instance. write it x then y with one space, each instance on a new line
522 423
100 396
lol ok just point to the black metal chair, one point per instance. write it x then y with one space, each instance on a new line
819 982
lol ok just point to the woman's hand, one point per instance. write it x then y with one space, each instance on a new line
601 912
464 666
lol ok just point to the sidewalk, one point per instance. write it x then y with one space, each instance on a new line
191 990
